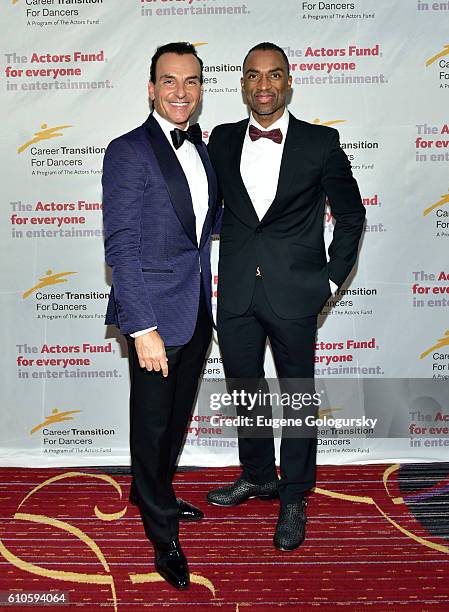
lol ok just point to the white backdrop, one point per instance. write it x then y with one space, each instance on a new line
75 76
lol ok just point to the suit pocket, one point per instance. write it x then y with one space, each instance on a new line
157 270
308 254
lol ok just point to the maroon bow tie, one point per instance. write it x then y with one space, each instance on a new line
274 135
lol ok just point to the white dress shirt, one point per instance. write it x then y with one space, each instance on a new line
195 174
260 165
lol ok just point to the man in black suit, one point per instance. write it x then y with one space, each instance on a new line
275 172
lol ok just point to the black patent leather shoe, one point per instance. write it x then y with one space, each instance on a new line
186 512
171 564
240 491
291 526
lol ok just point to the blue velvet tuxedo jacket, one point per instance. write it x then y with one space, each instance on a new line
150 236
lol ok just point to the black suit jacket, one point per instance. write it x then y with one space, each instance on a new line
288 243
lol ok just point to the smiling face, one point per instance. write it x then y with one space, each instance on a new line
266 82
177 90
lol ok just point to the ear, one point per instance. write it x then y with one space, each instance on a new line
289 82
151 90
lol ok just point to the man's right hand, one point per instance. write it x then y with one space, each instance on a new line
150 350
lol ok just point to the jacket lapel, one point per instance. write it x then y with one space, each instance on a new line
174 177
246 213
212 187
289 162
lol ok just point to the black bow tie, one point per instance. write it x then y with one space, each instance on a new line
193 134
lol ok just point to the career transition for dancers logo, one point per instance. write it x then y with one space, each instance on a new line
61 433
437 215
42 14
437 357
47 152
438 64
47 299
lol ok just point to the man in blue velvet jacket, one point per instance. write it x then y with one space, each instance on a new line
159 203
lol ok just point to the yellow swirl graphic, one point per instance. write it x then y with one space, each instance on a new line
155 577
64 526
66 475
396 500
61 574
86 578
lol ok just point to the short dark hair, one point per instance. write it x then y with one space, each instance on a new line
180 48
268 46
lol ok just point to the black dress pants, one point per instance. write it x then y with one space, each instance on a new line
242 340
160 409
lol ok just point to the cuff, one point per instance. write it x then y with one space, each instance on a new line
143 331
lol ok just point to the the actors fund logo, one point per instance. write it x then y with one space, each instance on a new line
48 279
45 133
441 202
56 416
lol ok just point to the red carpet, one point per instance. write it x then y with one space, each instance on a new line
366 546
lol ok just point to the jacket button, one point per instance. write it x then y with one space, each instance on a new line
258 230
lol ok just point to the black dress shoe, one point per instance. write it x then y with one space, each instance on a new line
291 526
240 491
171 564
187 512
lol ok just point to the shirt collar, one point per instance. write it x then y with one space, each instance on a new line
281 123
166 126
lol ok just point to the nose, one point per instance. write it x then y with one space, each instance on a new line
180 90
264 82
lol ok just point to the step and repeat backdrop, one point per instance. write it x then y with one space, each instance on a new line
74 76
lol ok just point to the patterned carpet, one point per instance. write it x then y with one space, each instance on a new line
377 539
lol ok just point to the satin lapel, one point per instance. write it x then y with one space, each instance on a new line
212 187
246 213
290 160
175 179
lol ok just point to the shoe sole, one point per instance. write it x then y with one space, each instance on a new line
262 497
283 549
287 548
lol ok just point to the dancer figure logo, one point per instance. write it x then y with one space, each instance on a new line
441 343
47 280
55 417
444 200
438 55
46 133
